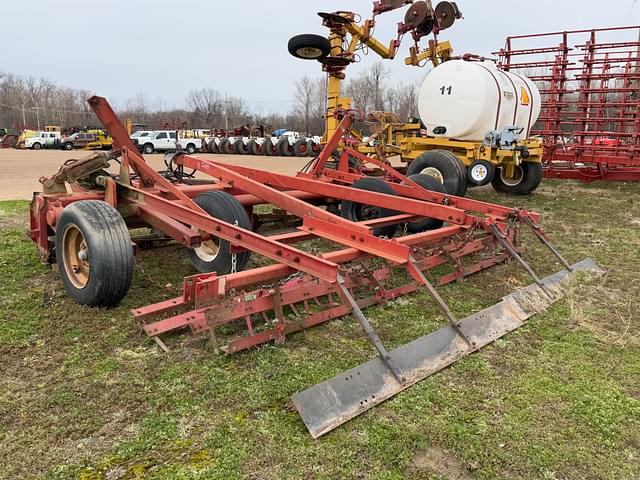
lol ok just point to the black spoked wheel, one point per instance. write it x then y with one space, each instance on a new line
94 254
428 183
358 212
525 179
445 167
214 255
309 46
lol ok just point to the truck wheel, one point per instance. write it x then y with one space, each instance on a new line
428 183
214 255
301 148
528 176
358 212
213 147
239 147
191 149
36 146
148 148
68 146
224 146
94 253
445 167
309 46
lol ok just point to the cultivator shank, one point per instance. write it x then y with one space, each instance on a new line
301 288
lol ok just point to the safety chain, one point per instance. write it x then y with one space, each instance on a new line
234 259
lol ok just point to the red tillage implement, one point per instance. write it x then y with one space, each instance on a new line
590 86
452 237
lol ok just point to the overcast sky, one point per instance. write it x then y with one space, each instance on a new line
118 48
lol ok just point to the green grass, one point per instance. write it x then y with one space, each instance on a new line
83 394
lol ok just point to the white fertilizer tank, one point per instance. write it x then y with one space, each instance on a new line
464 100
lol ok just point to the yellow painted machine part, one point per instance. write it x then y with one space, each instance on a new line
403 139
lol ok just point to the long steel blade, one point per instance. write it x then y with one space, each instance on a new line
329 404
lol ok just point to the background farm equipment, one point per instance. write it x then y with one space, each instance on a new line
475 119
285 144
445 238
590 84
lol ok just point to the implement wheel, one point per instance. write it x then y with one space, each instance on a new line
94 253
213 147
254 148
428 183
239 147
445 167
268 148
309 46
214 255
225 146
284 148
358 212
527 178
301 148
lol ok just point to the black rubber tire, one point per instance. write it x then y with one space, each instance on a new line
109 251
36 146
225 146
354 211
239 147
148 148
67 146
487 166
310 152
284 148
213 147
448 164
309 46
268 148
531 178
429 183
334 163
190 148
227 208
301 148
252 148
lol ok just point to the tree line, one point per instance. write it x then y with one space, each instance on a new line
27 102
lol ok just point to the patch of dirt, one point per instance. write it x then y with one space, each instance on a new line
441 463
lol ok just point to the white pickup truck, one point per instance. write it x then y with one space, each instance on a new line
42 140
163 140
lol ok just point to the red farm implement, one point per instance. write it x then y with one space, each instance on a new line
88 211
590 86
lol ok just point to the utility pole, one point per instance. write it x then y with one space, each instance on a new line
37 109
24 119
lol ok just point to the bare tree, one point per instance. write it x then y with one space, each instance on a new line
304 96
206 103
